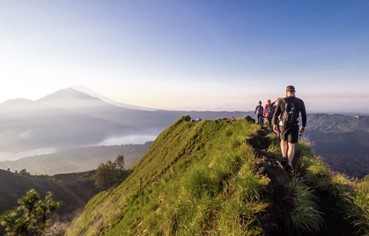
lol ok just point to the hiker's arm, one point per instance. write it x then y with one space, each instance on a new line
276 114
303 114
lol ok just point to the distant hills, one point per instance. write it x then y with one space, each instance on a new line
71 119
73 189
342 141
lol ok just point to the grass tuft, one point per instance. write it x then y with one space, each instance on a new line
305 217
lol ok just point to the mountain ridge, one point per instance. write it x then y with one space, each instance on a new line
224 177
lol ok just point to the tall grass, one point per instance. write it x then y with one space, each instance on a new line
360 213
199 183
242 201
353 203
305 216
211 187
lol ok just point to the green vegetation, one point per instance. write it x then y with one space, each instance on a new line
106 175
363 185
75 190
361 201
305 216
204 178
31 216
192 179
351 200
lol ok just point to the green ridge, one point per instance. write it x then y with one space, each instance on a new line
208 178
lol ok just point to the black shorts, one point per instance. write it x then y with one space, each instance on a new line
290 134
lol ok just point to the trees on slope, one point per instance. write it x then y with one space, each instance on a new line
108 174
32 215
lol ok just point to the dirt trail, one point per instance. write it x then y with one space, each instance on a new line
276 220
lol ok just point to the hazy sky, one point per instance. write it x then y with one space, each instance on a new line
200 54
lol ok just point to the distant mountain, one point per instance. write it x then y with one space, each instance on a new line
77 160
342 141
73 100
338 123
45 124
69 118
17 102
110 101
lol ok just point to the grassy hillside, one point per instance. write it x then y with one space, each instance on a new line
223 177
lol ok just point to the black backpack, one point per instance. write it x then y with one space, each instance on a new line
289 113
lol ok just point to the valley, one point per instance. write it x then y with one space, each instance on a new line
76 160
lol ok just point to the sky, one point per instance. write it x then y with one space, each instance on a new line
189 54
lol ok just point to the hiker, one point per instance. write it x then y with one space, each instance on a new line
275 104
259 113
268 113
289 109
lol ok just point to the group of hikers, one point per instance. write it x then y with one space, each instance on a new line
283 117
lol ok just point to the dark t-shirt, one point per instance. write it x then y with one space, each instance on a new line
299 105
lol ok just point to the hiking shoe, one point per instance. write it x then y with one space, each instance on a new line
284 161
289 169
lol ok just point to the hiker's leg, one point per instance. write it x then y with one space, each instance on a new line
284 148
261 121
292 140
270 123
291 153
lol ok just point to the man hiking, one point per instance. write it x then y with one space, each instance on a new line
259 110
288 111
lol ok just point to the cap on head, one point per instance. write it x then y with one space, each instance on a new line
290 88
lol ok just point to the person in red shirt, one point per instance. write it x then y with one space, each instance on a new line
268 112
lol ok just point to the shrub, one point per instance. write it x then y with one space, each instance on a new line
31 216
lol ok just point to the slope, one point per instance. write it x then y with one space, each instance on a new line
223 177
74 190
